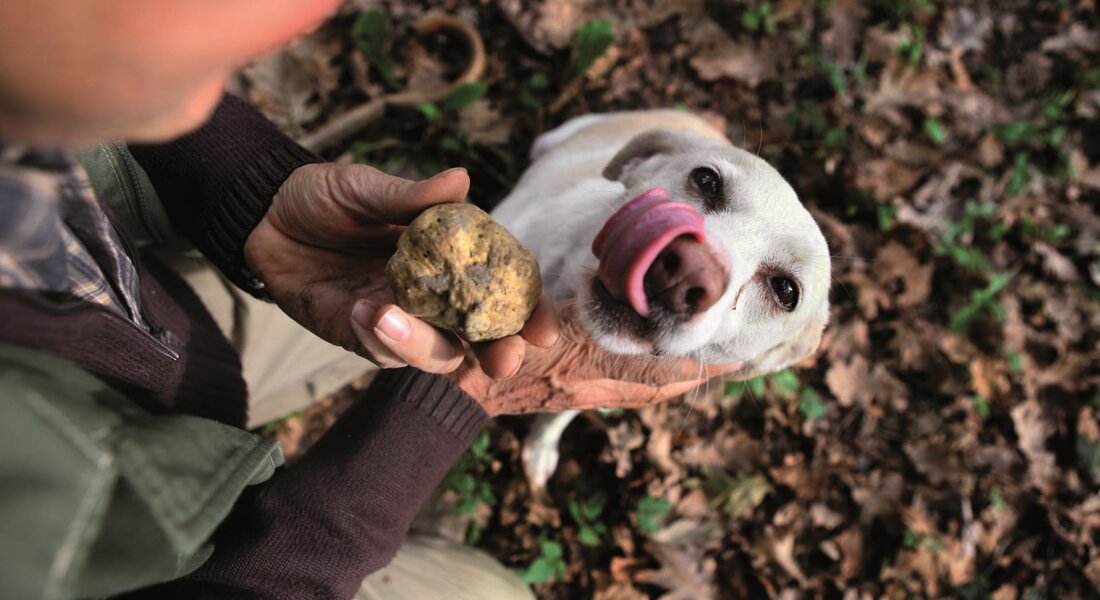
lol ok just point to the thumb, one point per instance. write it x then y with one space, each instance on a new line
384 198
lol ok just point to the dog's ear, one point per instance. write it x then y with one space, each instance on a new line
646 145
786 354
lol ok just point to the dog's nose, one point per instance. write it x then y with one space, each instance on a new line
686 279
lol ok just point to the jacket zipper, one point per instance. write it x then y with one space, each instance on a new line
162 346
141 202
159 344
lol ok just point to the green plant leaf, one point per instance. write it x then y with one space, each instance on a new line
757 385
1057 233
887 216
786 383
550 549
650 511
934 130
539 571
836 137
734 388
369 31
1014 133
485 494
531 94
466 506
589 537
810 405
465 94
980 300
1021 174
750 19
430 111
473 533
835 76
910 538
981 406
590 42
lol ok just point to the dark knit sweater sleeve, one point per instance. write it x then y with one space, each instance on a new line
318 528
217 182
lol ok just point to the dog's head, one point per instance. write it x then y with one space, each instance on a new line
709 254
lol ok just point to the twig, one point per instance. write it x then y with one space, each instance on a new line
354 120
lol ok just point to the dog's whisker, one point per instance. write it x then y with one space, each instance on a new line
843 285
760 144
694 397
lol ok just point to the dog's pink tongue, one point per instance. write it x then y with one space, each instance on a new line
633 238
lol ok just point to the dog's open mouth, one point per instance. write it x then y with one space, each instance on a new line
632 239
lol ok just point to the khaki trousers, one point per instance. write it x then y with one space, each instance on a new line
287 368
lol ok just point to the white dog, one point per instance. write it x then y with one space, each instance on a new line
674 242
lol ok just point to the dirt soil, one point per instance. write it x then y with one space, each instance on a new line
944 442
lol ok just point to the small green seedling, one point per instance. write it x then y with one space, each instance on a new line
981 406
548 566
981 302
810 405
650 511
533 92
759 18
372 38
586 514
934 130
590 42
467 480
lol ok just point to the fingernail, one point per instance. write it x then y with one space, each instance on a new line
362 313
394 325
514 370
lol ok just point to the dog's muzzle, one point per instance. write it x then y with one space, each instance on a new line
653 251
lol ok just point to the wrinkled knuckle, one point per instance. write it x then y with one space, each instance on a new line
390 188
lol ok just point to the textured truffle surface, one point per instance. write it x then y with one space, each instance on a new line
458 269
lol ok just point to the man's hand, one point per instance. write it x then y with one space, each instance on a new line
322 249
575 373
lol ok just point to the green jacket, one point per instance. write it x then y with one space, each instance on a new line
98 495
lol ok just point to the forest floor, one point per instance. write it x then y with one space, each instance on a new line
944 441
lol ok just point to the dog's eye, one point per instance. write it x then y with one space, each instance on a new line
786 292
709 184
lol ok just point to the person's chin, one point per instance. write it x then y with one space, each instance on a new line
180 119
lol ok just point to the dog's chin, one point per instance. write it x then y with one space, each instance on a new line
616 327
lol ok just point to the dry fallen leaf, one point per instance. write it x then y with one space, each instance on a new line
743 60
894 263
290 85
1032 431
848 381
685 572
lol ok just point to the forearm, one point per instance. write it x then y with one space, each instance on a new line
217 182
317 529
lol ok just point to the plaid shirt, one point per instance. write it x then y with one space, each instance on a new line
55 237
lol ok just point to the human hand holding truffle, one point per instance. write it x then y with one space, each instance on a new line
322 249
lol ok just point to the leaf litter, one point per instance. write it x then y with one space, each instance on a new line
944 441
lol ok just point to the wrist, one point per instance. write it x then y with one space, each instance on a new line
477 385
